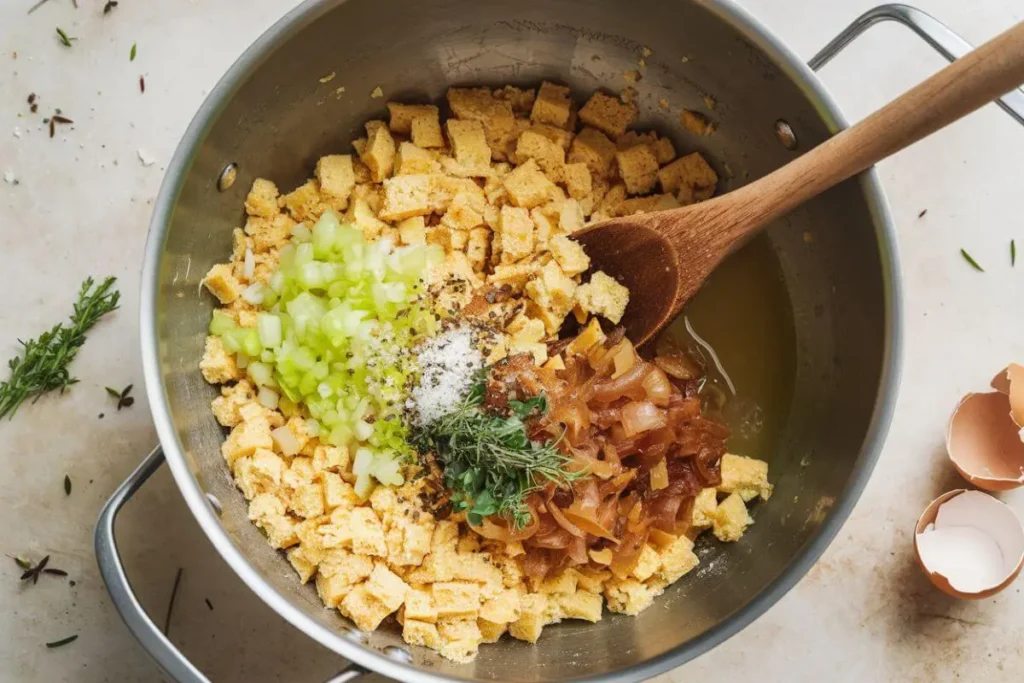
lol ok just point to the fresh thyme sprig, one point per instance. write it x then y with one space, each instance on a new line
490 463
43 363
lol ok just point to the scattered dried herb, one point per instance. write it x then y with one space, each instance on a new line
22 562
33 108
36 6
970 260
53 127
142 83
31 98
34 572
923 212
62 641
109 7
123 398
57 118
55 572
44 361
67 485
1013 253
131 55
170 605
209 604
63 37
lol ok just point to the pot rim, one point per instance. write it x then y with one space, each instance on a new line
300 17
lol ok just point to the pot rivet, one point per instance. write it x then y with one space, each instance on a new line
399 653
215 504
227 177
784 133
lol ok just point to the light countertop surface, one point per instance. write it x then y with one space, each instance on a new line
79 204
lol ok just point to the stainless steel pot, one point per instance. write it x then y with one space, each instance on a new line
272 116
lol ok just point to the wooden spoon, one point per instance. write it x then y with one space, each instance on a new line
665 257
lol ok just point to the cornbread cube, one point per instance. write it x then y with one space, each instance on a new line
479 104
543 225
330 458
515 275
258 473
490 631
578 182
654 202
549 155
331 589
267 511
559 136
308 501
362 215
502 608
731 519
456 599
245 438
552 105
225 407
608 114
664 151
217 365
222 283
335 175
477 247
379 152
647 564
581 605
520 100
461 215
387 587
262 199
632 138
629 596
426 132
638 168
469 143
446 535
592 580
367 533
406 196
304 202
704 508
460 639
413 230
413 160
345 566
691 172
269 233
553 292
437 566
569 255
677 559
570 215
420 633
564 583
611 202
516 232
420 606
746 476
365 611
302 563
603 296
695 122
530 623
593 148
337 492
527 187
402 115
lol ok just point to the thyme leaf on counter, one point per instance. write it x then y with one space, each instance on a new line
67 485
43 363
22 562
62 641
131 55
490 463
1013 253
124 400
32 573
63 37
970 260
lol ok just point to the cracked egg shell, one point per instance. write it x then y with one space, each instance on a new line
969 544
983 440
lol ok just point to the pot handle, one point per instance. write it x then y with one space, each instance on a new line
170 659
934 32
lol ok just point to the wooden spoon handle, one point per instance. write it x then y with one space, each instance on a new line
970 82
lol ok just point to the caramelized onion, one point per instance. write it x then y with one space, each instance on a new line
641 416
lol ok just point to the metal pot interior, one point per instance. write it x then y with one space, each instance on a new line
823 272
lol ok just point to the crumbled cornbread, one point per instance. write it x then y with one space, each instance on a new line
501 187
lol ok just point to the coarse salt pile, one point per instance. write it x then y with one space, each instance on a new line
448 365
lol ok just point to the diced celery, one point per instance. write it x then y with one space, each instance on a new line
221 322
269 328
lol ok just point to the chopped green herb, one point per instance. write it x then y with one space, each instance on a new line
109 7
62 641
63 37
1013 253
34 572
22 562
970 260
55 572
36 6
170 605
123 398
131 55
44 361
67 485
490 463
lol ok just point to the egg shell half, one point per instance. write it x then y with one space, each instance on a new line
980 512
984 442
